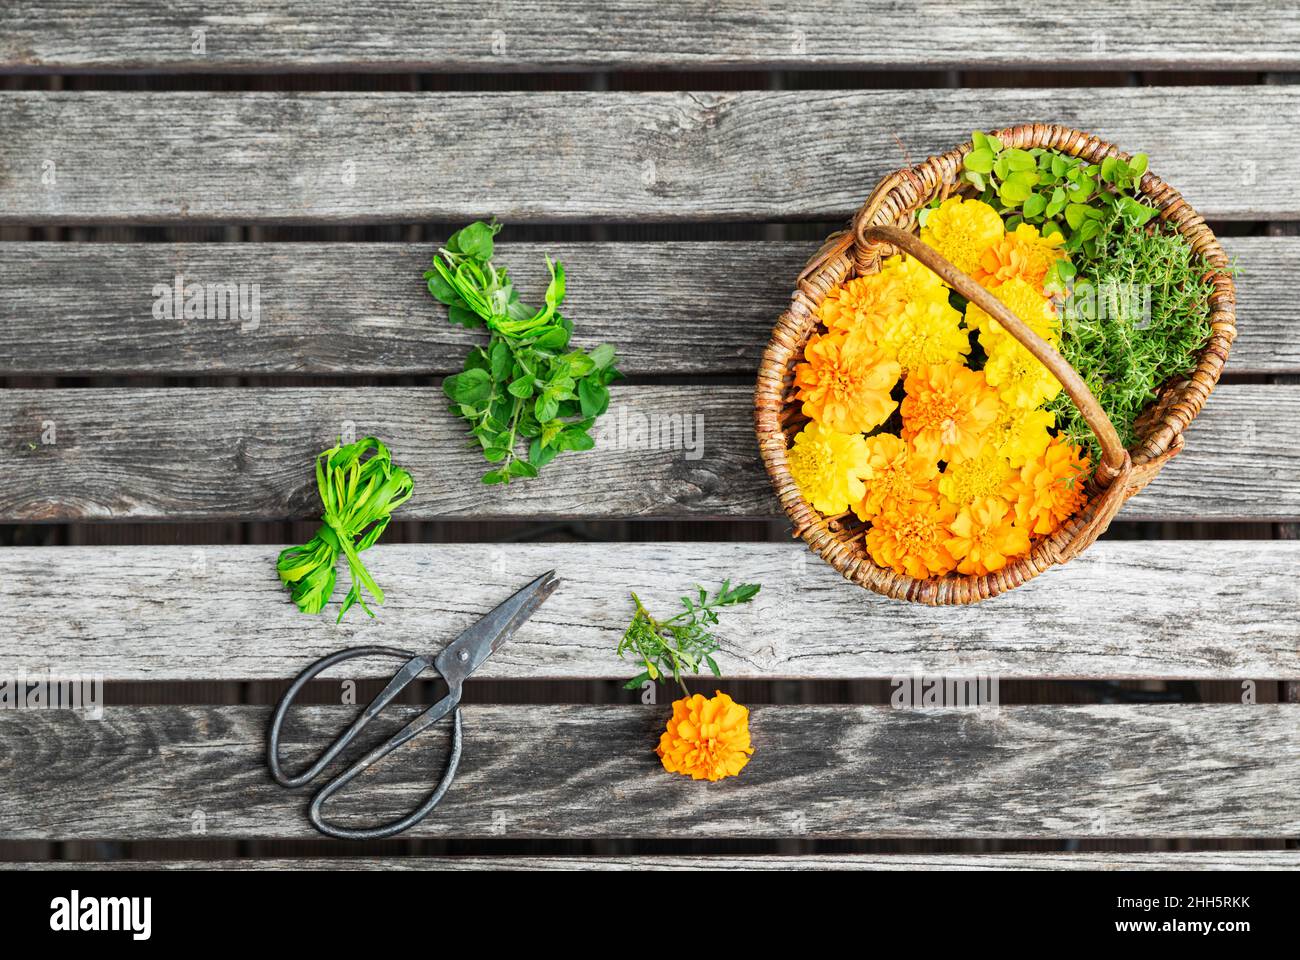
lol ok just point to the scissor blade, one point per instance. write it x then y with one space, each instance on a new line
467 652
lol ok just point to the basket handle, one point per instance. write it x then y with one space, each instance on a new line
1114 458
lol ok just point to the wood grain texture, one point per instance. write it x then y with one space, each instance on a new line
1191 609
1182 770
362 308
201 453
754 155
633 34
1157 860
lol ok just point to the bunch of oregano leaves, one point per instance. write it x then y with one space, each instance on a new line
527 385
682 642
1058 193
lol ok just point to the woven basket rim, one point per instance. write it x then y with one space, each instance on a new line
895 202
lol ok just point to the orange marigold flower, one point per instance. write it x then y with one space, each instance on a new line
927 331
962 230
985 475
707 739
1049 489
985 536
828 467
896 477
946 411
1023 254
913 539
845 382
863 304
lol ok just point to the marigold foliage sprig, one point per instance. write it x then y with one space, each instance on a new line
360 487
683 642
526 385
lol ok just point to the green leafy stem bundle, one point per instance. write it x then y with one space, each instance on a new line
360 487
527 385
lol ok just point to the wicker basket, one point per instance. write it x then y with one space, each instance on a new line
884 226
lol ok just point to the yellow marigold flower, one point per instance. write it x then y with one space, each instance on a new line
928 331
982 476
896 477
1020 377
707 739
1027 303
947 410
845 382
913 279
985 536
1023 254
962 230
863 305
1020 434
1049 489
913 540
828 467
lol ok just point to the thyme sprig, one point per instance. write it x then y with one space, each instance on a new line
682 643
1138 316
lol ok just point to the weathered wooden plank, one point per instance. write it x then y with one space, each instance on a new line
45 35
1157 860
363 309
188 454
754 155
1181 770
189 613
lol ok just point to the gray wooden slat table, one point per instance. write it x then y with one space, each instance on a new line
106 423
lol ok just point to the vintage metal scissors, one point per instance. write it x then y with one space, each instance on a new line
455 663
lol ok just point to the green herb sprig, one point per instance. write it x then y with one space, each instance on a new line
527 384
683 642
359 493
1057 192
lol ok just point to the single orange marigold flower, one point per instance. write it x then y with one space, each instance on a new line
706 739
845 382
1023 254
895 477
862 305
914 539
1050 487
946 411
985 536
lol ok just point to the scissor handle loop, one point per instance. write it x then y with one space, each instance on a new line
341 742
397 826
